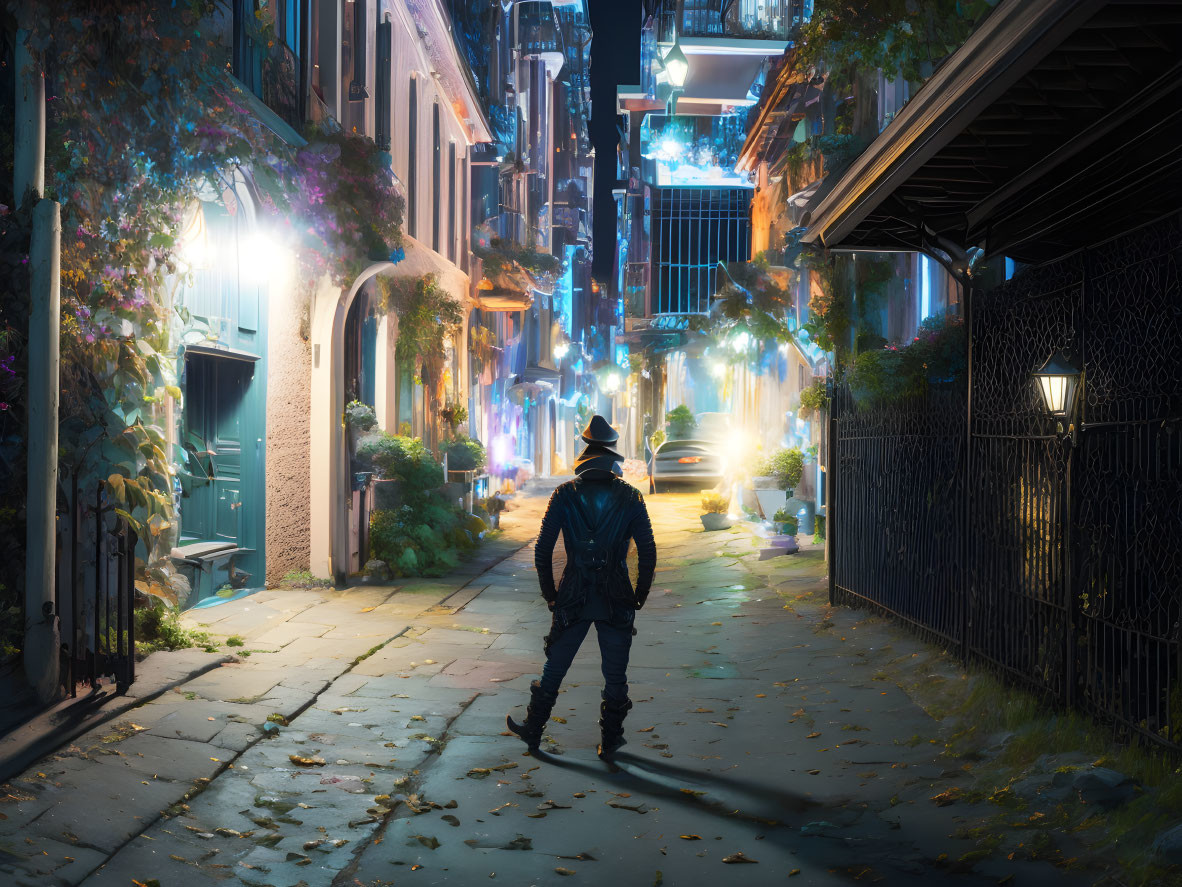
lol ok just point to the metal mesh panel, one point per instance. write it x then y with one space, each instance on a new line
898 500
1072 543
1127 489
693 230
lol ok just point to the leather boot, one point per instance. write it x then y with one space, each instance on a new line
611 725
537 714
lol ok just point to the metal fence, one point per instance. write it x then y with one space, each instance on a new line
1055 557
96 593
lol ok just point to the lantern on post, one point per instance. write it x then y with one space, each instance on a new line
1058 383
677 67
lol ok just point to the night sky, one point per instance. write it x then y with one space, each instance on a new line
615 59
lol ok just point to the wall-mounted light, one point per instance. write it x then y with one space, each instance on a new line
1058 383
561 350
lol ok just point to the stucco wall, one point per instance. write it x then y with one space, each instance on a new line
289 386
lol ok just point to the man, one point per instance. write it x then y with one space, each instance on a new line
598 513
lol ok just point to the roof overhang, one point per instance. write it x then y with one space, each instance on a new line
1054 126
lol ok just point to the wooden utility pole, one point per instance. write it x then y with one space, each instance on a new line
42 637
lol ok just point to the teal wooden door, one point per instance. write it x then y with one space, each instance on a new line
214 509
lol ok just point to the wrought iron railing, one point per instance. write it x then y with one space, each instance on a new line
753 19
272 72
1055 557
96 594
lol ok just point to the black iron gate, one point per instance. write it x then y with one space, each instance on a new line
1053 554
96 594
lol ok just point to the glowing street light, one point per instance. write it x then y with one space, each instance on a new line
677 65
561 350
611 383
1058 383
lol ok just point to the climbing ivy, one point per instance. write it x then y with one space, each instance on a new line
143 121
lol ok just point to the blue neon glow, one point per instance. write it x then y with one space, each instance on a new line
925 288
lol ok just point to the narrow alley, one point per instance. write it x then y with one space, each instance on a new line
362 742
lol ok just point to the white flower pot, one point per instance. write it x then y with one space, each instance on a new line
716 522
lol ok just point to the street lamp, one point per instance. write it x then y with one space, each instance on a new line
1058 383
677 67
561 350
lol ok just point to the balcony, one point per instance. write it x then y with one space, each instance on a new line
692 149
274 73
538 36
749 19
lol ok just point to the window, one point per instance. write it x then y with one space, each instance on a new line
354 34
693 230
465 225
271 68
451 202
436 172
382 80
412 159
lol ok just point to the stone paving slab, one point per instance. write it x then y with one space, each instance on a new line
194 819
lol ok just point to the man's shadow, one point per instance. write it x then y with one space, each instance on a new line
777 814
764 804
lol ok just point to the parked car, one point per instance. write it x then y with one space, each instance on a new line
680 461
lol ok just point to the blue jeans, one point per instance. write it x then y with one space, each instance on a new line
615 641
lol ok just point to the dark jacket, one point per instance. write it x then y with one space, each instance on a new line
598 514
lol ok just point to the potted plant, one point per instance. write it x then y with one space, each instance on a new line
775 476
680 422
494 505
786 524
714 508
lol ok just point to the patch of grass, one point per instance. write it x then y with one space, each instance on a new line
303 579
159 628
367 653
235 641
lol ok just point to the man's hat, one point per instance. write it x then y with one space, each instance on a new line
599 432
598 454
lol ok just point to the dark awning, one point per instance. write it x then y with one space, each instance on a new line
1055 126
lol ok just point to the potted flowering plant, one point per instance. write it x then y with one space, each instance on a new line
714 508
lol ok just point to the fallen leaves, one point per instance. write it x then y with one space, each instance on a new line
737 857
635 808
813 735
553 805
563 871
690 837
646 729
427 841
945 798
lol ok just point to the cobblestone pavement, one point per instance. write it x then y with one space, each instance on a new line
369 747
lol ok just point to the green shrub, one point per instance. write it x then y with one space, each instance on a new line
360 416
159 628
785 465
465 454
680 422
813 400
424 540
657 439
403 459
